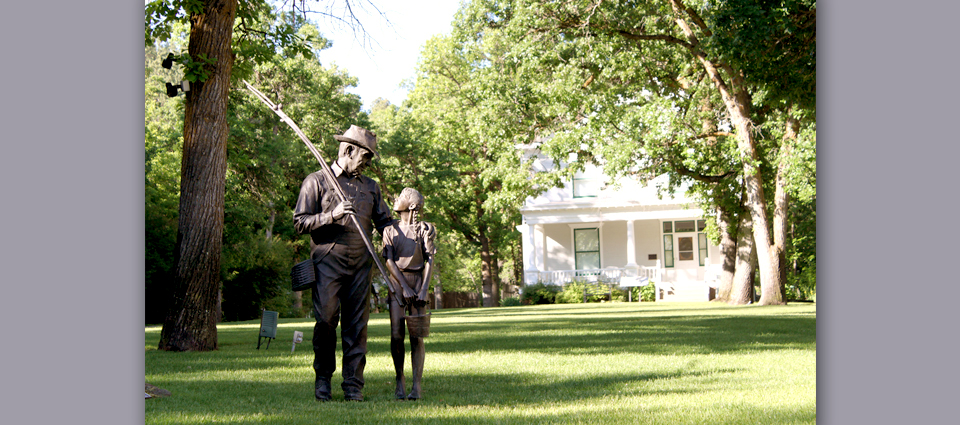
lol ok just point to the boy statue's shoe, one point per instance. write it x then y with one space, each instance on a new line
400 392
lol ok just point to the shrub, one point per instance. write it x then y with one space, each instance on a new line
648 292
510 302
573 293
540 293
618 295
256 275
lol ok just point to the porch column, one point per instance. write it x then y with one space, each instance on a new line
631 246
540 246
532 252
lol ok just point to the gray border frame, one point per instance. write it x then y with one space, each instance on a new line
73 211
72 172
887 149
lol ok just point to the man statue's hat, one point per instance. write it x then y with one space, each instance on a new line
360 137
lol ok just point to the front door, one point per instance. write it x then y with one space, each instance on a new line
685 256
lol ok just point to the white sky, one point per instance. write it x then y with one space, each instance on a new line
391 54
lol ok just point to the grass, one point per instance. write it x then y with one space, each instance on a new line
612 363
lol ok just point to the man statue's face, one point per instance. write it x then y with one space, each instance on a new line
355 160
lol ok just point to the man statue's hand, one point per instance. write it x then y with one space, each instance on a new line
343 208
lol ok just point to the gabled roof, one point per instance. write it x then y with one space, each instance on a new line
630 201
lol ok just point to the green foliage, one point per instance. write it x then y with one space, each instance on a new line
454 138
255 271
621 85
647 292
540 293
510 302
260 34
572 293
772 41
163 142
283 303
196 70
266 163
802 251
618 295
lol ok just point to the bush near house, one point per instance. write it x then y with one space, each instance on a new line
510 302
573 293
540 293
648 292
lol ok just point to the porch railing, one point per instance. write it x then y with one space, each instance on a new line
609 275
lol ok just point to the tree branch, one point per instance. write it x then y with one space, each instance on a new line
684 171
714 134
659 37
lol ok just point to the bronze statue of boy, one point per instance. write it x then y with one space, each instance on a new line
408 248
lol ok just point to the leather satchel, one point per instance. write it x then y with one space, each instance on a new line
303 275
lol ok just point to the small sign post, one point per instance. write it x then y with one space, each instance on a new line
297 338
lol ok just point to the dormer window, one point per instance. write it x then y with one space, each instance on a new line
588 183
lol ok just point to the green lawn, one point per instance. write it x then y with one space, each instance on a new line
629 363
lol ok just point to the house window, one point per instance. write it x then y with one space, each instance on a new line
685 226
667 227
586 187
702 247
668 250
586 244
588 183
701 224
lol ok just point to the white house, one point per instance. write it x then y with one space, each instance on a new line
590 231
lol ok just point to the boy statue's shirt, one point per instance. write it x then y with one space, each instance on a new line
406 245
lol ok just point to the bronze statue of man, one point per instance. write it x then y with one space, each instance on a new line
341 259
408 247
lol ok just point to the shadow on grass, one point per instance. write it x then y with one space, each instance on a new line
654 335
444 391
555 331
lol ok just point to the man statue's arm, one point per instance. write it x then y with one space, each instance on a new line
308 215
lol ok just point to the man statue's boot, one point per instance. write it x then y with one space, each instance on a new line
322 388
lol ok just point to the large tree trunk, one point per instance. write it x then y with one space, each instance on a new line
781 203
768 260
437 291
728 248
298 301
488 271
737 101
191 323
742 290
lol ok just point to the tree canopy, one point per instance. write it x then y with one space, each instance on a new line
718 96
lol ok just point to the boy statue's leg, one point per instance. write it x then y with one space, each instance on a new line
397 334
416 357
